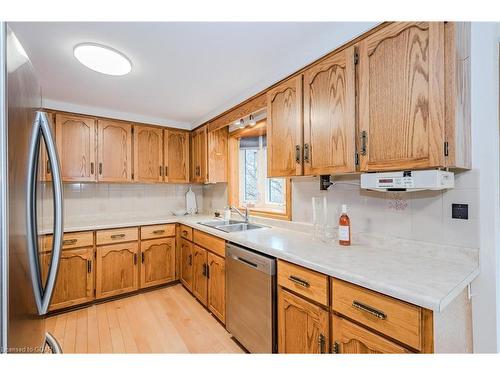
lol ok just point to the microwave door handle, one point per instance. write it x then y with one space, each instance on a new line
41 129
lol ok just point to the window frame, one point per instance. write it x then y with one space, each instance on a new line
234 178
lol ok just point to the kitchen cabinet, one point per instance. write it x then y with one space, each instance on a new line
75 278
200 287
330 115
77 146
148 154
176 156
401 97
199 165
216 274
186 275
116 269
303 327
157 261
209 152
285 129
351 338
114 153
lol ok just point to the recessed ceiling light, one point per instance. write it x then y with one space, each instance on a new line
102 59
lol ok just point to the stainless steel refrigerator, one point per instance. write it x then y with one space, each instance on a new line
25 297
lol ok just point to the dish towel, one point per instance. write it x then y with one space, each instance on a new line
191 206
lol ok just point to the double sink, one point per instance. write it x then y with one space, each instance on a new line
229 226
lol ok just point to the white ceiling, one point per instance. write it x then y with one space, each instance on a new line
183 73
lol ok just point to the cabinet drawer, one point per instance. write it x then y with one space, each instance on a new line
117 235
310 284
71 240
394 318
214 244
157 231
186 232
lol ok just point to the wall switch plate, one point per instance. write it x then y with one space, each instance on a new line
460 211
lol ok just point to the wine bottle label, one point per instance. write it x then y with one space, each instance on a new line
343 233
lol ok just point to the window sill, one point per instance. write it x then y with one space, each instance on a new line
269 214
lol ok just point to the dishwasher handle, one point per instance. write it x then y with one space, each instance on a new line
243 260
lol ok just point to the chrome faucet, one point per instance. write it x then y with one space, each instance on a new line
243 215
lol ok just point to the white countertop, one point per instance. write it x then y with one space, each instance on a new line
416 275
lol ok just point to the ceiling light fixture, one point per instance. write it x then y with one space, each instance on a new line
102 59
251 121
242 124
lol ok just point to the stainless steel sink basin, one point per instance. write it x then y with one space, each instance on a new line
230 225
238 227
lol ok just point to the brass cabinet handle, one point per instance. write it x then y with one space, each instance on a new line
135 258
115 236
70 242
166 171
204 270
47 168
161 170
89 266
142 257
100 168
190 260
364 138
159 231
321 343
92 168
297 154
307 151
298 280
368 309
184 233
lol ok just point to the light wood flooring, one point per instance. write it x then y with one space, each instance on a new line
167 320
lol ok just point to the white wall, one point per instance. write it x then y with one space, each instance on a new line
485 153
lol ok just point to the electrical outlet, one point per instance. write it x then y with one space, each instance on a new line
460 211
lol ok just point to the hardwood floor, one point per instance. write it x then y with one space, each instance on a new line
167 320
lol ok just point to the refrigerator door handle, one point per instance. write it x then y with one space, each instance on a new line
41 129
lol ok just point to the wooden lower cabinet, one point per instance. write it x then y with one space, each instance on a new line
217 286
75 278
351 338
116 269
303 327
186 266
200 288
157 261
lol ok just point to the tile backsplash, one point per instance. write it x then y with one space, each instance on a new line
83 201
422 216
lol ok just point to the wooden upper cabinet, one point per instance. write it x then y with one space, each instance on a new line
217 155
148 154
285 129
330 115
199 153
401 97
303 327
350 338
76 144
176 155
114 151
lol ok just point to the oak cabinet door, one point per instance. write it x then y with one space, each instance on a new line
285 129
302 326
187 264
114 142
200 274
350 338
75 277
330 115
176 156
217 286
148 154
117 270
76 145
401 97
217 155
199 152
157 261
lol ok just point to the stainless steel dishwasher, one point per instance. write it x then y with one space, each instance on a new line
250 299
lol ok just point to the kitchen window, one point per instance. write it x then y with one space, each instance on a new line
262 195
